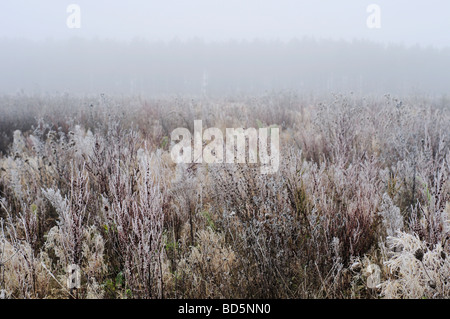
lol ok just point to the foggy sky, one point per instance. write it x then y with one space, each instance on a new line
224 47
403 21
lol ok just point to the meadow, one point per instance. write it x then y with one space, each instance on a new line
359 206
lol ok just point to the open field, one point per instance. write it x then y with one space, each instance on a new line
359 207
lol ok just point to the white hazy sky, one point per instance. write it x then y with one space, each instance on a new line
403 21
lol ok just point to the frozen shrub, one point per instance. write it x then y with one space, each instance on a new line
83 181
415 270
208 269
392 218
21 273
73 218
136 220
91 264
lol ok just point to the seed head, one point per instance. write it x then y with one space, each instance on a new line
419 254
432 284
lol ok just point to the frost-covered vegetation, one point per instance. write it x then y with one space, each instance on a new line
360 207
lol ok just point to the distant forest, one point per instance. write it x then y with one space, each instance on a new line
196 67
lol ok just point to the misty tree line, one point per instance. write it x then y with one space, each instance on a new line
233 67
